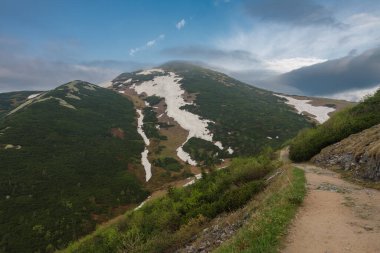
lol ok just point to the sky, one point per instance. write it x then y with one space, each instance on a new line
312 47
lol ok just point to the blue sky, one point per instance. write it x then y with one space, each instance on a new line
46 43
99 30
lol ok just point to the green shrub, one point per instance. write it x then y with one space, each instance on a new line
310 142
163 223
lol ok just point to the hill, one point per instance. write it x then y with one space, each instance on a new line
349 121
11 100
68 159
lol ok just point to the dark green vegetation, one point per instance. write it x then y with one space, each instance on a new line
71 169
168 163
203 151
11 100
150 122
153 100
244 115
310 142
263 231
165 224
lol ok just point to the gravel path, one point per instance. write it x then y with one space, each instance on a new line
336 216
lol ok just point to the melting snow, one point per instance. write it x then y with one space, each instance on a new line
169 88
11 146
139 127
320 112
150 71
184 156
142 203
147 166
34 95
219 145
197 177
144 155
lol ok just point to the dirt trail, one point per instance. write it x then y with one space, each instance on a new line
336 216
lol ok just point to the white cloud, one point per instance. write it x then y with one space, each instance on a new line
181 24
147 45
355 95
270 41
289 64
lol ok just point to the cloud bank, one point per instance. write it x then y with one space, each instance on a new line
347 73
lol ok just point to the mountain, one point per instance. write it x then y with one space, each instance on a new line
237 118
79 155
11 100
68 158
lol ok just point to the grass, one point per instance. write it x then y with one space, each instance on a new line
263 232
310 142
165 224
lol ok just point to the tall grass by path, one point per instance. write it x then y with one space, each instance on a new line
264 232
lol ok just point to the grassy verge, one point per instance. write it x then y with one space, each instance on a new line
165 224
264 231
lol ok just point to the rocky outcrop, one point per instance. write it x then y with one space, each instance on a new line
358 153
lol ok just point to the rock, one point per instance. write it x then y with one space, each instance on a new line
358 153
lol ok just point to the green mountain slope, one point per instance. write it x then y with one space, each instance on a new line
244 118
67 160
352 120
10 100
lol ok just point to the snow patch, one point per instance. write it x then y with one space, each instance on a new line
230 150
139 127
128 81
219 145
196 177
147 166
184 156
144 155
169 88
11 146
70 95
33 95
150 71
142 204
320 112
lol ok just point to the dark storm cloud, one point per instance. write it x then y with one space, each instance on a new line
350 72
297 12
